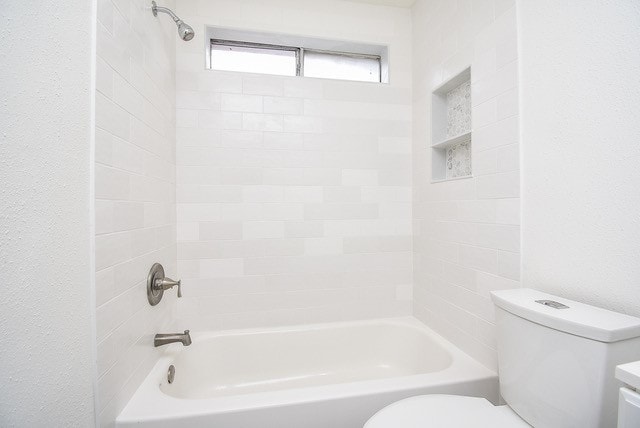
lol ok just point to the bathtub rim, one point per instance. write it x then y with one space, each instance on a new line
150 403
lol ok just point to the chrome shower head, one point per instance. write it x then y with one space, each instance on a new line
185 31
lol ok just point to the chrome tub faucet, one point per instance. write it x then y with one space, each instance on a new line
165 339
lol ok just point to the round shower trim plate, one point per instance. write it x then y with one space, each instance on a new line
154 295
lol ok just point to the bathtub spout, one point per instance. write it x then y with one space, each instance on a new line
165 339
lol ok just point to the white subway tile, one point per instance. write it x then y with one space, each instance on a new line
394 177
507 104
499 236
485 114
104 76
303 88
104 216
318 246
282 105
241 103
506 51
262 122
394 145
505 78
263 193
215 82
359 177
219 120
209 231
283 141
508 158
284 211
477 211
304 229
485 162
221 268
506 185
486 282
508 211
112 249
264 266
188 231
112 183
111 51
303 194
241 175
262 229
111 117
263 85
303 124
502 6
198 100
340 211
284 247
340 194
497 134
482 259
376 244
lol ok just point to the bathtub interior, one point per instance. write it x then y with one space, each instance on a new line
315 376
230 364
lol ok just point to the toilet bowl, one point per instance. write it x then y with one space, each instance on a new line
445 411
556 360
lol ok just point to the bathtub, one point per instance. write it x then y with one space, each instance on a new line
315 376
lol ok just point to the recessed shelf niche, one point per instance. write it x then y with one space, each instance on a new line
451 129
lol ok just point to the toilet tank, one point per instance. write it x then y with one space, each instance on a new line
557 358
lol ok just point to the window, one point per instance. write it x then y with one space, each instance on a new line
334 65
233 55
254 58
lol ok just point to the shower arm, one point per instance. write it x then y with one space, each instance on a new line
155 9
185 31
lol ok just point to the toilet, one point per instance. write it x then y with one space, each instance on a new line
556 360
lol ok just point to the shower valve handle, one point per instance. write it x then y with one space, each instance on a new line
167 283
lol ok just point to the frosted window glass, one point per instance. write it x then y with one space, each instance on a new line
335 66
253 60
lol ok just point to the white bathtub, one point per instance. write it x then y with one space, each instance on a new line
328 375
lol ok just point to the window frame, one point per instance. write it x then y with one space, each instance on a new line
251 45
299 54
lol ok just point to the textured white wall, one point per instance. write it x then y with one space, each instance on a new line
466 232
45 255
294 200
135 192
581 152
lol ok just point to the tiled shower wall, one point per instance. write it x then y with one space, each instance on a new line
294 194
466 231
134 190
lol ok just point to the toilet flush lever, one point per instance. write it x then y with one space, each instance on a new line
157 283
553 304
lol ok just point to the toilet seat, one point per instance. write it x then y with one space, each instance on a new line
445 411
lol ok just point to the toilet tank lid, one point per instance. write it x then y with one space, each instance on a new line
578 318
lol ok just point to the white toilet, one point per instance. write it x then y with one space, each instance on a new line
556 363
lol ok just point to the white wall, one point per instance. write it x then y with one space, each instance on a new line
294 199
135 192
45 254
581 151
466 232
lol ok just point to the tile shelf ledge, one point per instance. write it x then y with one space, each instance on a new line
452 140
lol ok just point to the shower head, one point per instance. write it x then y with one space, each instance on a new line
185 31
